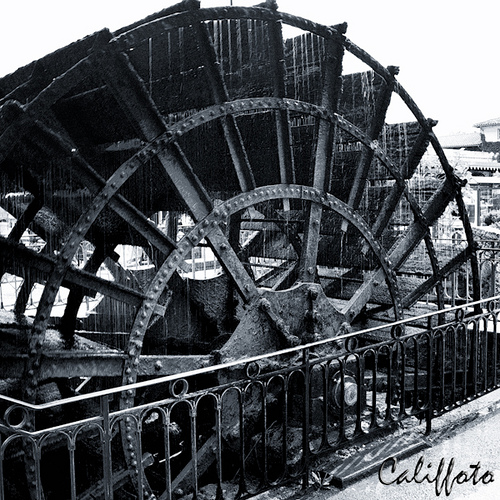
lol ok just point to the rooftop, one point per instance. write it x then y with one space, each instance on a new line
464 140
488 123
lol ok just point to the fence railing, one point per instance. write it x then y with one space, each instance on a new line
235 429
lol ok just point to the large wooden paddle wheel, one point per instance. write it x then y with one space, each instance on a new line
270 202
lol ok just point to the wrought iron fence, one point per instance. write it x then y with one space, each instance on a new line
235 429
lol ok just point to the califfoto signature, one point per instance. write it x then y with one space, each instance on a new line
444 478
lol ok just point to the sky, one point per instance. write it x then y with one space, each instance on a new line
447 51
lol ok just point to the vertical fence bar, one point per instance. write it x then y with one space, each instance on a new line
484 347
326 387
2 454
264 431
442 366
360 379
285 426
137 462
416 361
38 472
473 357
495 347
106 445
454 353
218 451
466 362
306 416
342 427
72 472
402 402
493 280
453 288
194 450
242 483
388 412
167 495
430 367
373 422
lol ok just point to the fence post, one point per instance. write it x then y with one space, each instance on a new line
107 437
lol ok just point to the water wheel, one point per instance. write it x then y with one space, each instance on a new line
271 202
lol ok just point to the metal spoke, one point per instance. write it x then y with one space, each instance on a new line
403 248
220 95
76 295
367 154
391 201
324 147
283 128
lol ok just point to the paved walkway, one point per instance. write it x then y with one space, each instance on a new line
477 446
465 445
